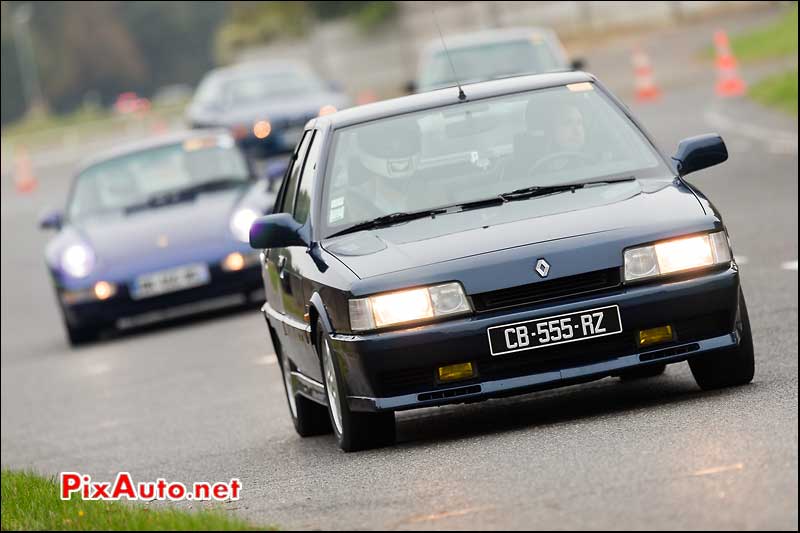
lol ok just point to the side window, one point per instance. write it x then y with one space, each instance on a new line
302 206
290 189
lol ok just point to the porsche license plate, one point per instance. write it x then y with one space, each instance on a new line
174 279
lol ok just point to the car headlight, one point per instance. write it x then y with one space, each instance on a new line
676 255
77 260
241 221
407 306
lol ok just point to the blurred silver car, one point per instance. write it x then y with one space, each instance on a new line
491 54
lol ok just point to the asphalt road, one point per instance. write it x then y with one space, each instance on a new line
203 400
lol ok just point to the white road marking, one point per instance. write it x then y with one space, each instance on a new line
776 141
790 265
718 469
267 360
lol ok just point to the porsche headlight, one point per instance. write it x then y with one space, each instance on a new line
77 260
408 306
241 221
676 255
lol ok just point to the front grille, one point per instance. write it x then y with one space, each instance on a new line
547 290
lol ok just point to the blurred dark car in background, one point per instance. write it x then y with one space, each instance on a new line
263 104
491 54
155 230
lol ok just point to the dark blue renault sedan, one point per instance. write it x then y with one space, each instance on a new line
156 229
510 236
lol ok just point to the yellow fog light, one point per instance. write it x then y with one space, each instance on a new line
456 372
233 262
655 335
262 129
104 290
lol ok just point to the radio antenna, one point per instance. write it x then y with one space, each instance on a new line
461 95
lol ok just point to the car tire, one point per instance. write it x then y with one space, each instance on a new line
80 335
729 367
354 430
649 371
309 417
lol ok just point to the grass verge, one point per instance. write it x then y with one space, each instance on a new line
775 40
779 91
31 502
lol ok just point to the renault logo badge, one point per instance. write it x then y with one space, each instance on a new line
542 268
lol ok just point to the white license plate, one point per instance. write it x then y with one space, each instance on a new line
553 330
174 279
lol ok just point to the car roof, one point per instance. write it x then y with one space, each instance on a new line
477 38
448 96
150 143
259 66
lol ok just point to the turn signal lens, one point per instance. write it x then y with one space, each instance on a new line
233 262
104 290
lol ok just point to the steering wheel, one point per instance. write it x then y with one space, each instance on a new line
568 155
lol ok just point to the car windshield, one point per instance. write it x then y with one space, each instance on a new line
153 176
472 151
246 89
489 61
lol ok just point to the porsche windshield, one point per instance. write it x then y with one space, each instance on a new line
477 150
159 175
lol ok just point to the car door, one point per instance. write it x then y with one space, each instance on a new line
298 265
277 282
301 267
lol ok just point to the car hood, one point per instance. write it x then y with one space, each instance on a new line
127 244
638 209
301 108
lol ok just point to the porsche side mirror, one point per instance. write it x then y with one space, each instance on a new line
697 153
275 231
52 220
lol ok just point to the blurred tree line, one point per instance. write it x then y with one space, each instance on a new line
96 50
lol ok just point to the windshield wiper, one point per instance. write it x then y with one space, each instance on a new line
184 194
541 190
389 220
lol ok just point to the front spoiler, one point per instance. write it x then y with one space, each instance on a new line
547 380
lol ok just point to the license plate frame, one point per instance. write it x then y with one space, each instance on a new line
523 341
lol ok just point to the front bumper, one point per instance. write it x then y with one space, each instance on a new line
396 370
224 289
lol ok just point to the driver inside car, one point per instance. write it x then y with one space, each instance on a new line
381 173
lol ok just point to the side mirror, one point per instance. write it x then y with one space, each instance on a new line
275 231
410 87
52 220
578 64
697 153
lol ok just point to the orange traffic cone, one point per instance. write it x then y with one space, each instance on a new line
24 179
646 88
728 83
